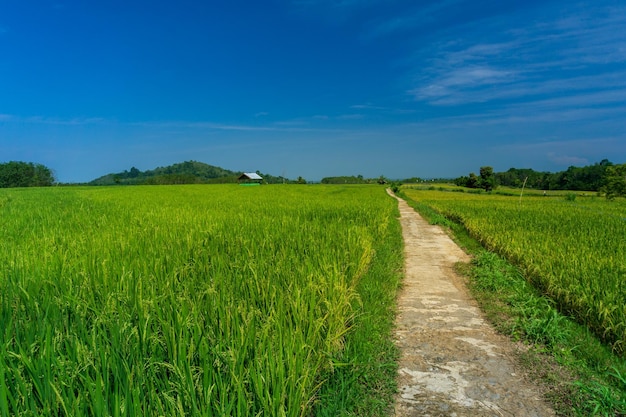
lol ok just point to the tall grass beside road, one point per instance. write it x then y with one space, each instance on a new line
528 295
574 252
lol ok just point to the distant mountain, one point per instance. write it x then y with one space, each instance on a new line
189 172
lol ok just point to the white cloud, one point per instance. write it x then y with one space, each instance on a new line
335 3
354 116
411 20
459 85
367 106
567 159
285 126
586 99
219 126
557 147
45 120
479 52
556 56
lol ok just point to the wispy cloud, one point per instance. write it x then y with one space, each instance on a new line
595 36
367 106
335 3
558 56
561 159
566 152
417 17
287 126
581 100
44 120
352 116
571 143
224 126
458 85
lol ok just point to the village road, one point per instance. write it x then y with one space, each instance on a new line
452 361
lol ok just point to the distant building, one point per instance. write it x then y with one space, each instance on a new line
250 178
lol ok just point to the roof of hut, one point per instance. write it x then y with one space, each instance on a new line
250 176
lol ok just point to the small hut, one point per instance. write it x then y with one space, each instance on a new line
250 178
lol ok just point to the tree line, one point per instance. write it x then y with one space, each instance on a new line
25 174
603 176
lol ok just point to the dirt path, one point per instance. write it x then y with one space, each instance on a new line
452 362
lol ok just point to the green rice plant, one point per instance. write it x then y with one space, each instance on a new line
578 374
573 252
180 300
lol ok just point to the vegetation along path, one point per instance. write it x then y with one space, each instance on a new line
452 362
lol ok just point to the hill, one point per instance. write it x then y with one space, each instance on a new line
188 172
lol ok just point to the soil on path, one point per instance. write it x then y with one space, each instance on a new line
452 361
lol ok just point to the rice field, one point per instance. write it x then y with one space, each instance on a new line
573 250
180 300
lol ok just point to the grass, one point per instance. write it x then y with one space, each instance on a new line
579 374
196 300
569 249
363 380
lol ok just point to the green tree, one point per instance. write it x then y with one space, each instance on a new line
615 181
343 180
487 178
515 177
25 174
134 172
461 181
472 181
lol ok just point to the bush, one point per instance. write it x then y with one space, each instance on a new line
25 174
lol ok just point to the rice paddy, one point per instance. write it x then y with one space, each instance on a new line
572 249
181 300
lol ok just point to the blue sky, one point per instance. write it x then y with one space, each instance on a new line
312 88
